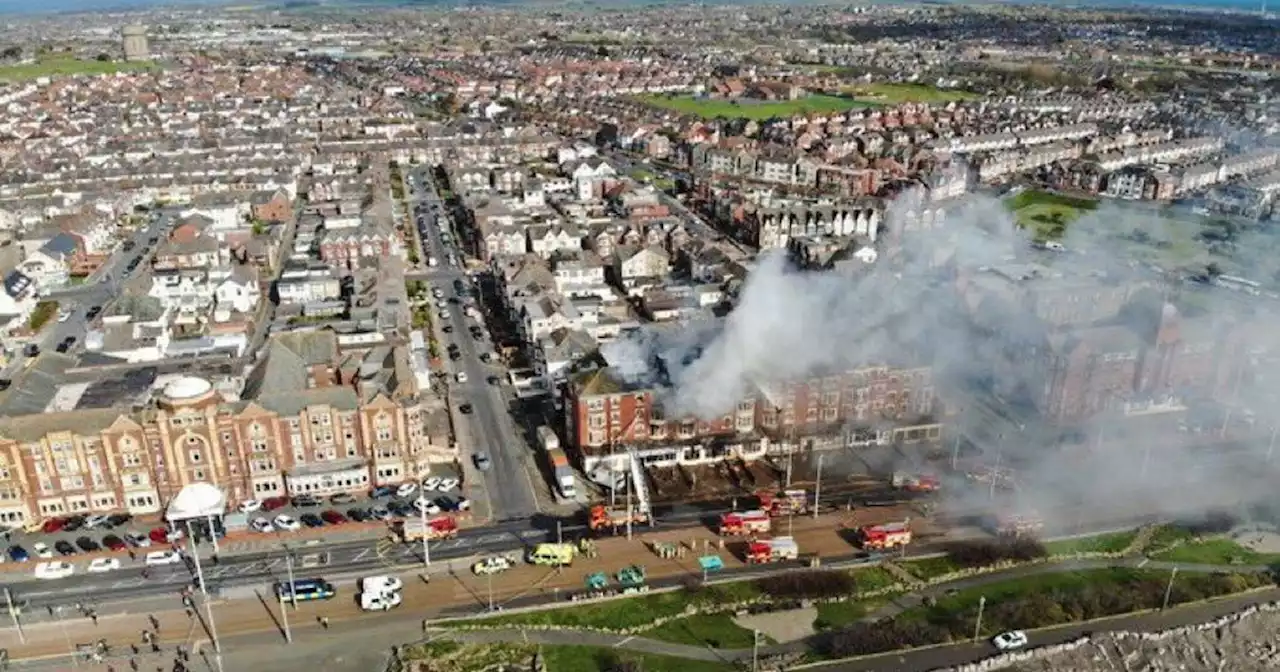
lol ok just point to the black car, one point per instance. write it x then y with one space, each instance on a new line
93 312
118 519
306 500
400 508
448 329
88 545
73 523
455 355
464 409
382 491
311 520
63 347
358 515
64 547
31 350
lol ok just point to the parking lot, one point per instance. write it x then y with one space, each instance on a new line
66 538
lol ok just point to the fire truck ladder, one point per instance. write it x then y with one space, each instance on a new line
639 487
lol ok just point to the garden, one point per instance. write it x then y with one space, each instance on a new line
737 108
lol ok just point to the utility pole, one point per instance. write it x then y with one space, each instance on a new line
755 650
204 593
426 550
1168 590
1272 446
977 628
955 452
995 473
559 533
629 511
489 575
288 563
13 613
284 613
817 489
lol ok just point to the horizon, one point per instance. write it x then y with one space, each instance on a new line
64 7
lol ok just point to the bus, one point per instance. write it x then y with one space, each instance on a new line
305 589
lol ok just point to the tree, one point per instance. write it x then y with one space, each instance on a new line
105 58
11 53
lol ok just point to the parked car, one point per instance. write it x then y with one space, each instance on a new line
250 506
286 523
53 525
64 547
88 545
114 543
424 505
358 515
380 513
164 535
137 539
447 484
431 483
491 565
55 569
343 498
273 503
73 523
18 554
306 501
97 520
482 461
333 517
382 491
262 525
381 584
101 565
311 520
406 489
160 558
118 519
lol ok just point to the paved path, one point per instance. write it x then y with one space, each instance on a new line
919 659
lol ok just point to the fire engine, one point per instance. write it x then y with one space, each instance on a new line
744 523
786 503
916 482
605 517
887 536
436 528
772 550
1018 525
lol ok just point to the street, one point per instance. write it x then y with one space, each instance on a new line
509 484
105 285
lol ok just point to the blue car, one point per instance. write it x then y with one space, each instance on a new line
18 554
382 491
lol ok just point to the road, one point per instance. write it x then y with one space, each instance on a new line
510 483
98 291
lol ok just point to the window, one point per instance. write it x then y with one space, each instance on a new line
195 456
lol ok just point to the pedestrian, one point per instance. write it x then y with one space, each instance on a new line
133 664
155 622
132 556
324 622
93 616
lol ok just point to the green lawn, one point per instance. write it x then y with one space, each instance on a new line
1048 214
41 314
837 614
50 67
710 108
894 94
592 659
1216 552
928 568
1102 543
715 630
627 613
868 579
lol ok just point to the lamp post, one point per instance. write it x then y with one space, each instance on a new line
817 489
977 627
204 594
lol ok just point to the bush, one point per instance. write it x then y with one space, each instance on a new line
862 639
807 585
971 554
1216 522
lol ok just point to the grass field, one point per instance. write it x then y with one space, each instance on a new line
1102 543
838 614
894 94
628 613
51 67
1216 552
1047 214
929 568
710 108
715 630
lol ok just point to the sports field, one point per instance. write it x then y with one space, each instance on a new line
52 67
710 108
894 94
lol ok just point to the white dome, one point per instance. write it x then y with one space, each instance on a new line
196 501
187 387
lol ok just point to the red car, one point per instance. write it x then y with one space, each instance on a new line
53 525
114 543
333 517
273 503
163 535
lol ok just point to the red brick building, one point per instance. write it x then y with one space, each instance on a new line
272 207
602 412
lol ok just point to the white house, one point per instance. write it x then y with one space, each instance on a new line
225 216
50 266
545 241
632 263
580 274
17 301
589 177
236 288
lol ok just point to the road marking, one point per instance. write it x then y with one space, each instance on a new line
624 641
361 555
532 534
1143 563
272 564
490 538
